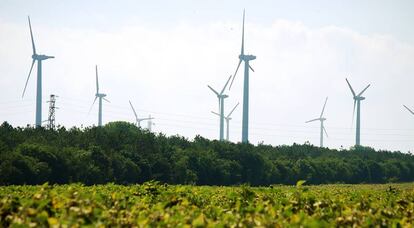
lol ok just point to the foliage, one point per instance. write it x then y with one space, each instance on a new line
122 153
154 204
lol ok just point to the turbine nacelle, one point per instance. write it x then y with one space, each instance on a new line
360 98
247 57
41 57
317 119
102 95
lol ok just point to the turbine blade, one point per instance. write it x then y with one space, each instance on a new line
364 90
353 114
31 35
214 91
251 68
326 133
350 87
232 110
409 109
228 80
235 73
27 80
312 120
215 113
97 82
136 116
323 109
90 109
106 99
242 45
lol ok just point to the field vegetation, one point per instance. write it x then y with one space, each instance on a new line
154 204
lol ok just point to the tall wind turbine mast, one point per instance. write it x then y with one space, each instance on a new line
321 119
246 59
100 96
221 96
227 118
150 123
39 59
138 120
357 101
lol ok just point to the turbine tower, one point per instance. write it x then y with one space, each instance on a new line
150 123
357 101
321 119
409 109
227 118
100 96
221 96
246 59
39 58
138 120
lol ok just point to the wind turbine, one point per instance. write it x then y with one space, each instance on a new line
246 59
39 59
227 118
321 119
409 109
357 101
100 96
138 120
221 96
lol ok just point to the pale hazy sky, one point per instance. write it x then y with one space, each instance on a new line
162 54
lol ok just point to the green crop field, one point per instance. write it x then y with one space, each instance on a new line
154 204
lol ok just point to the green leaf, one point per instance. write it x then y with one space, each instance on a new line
300 183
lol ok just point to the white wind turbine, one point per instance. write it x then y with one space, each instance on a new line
138 120
227 118
100 96
39 58
321 119
246 59
357 102
221 96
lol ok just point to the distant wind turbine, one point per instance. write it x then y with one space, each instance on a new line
227 118
221 96
39 59
100 96
321 119
357 101
246 59
138 120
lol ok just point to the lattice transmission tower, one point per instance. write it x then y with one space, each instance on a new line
51 121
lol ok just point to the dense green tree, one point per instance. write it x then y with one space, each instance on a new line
122 153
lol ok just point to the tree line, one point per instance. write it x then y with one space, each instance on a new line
122 153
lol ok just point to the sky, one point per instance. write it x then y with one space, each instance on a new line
161 55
